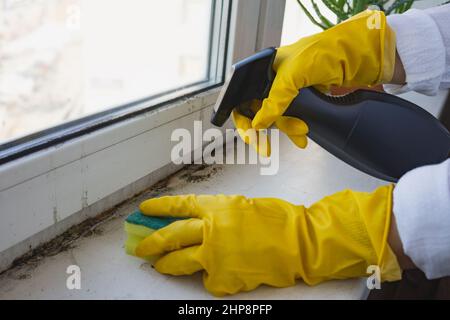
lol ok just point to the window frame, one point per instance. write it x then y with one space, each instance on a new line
215 74
50 187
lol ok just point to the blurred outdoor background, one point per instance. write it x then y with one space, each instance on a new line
63 59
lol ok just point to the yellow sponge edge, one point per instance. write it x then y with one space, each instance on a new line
135 234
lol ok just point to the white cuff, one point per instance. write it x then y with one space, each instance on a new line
421 49
422 211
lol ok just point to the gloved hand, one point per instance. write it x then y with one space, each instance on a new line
241 243
357 52
294 128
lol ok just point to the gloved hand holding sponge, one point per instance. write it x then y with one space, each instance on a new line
360 51
240 243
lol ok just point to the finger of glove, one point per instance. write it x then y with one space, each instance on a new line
262 147
244 127
283 91
173 206
179 262
177 235
295 129
292 126
258 139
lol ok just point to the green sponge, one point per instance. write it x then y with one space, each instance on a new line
139 226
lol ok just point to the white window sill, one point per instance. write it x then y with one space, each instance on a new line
107 272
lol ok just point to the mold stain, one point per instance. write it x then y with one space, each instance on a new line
199 173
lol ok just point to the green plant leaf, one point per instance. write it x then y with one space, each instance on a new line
359 5
310 16
333 6
397 6
349 7
340 4
322 18
344 9
408 5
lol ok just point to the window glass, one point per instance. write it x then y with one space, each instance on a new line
64 59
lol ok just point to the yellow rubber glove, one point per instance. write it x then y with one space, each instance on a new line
294 128
357 52
241 243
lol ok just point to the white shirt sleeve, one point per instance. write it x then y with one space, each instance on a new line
422 211
423 44
422 196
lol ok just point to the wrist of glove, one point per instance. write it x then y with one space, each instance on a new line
240 243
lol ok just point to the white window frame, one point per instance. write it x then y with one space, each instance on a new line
44 193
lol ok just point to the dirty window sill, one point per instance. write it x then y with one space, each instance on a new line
107 272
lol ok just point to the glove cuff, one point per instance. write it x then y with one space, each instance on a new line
390 269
